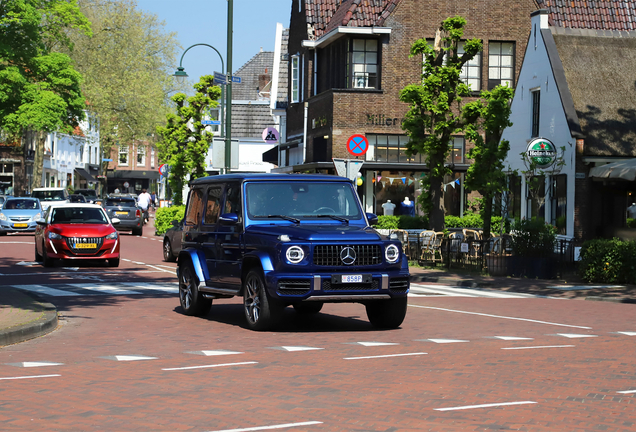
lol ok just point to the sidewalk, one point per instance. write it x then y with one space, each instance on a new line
22 317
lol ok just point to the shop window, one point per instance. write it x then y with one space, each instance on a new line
295 79
141 155
558 207
536 196
511 200
362 65
394 186
123 155
501 64
389 148
458 150
452 194
536 105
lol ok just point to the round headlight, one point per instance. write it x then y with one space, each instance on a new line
392 253
295 254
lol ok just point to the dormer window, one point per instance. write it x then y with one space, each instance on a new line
362 64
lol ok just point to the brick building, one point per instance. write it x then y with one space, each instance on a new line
348 61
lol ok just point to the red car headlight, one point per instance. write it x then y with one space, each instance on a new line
112 236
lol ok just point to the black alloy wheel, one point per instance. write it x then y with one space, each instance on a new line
192 301
168 256
261 311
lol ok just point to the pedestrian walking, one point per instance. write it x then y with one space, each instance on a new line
153 200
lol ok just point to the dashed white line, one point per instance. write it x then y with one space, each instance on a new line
575 336
280 426
172 272
538 347
127 260
626 391
485 406
384 356
209 366
138 263
500 316
32 376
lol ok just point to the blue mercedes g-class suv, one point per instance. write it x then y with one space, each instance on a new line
287 239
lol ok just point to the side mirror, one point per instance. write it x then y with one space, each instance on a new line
228 219
41 222
373 219
175 223
115 221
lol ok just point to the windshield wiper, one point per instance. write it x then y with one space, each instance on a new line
288 218
338 218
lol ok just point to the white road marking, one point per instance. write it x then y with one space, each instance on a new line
152 287
173 272
299 348
627 333
574 335
209 366
129 357
385 356
124 259
34 364
27 263
539 347
583 287
106 289
626 391
12 242
510 338
166 266
214 352
500 316
33 376
138 263
442 341
41 289
144 237
109 273
373 344
466 292
485 406
280 426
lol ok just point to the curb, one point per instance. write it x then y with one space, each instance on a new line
45 324
466 283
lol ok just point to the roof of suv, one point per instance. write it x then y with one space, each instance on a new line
267 176
48 189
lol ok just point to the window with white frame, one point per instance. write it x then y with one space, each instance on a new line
123 155
362 64
152 157
141 155
501 63
295 79
458 150
471 71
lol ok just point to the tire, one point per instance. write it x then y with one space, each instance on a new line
308 308
3 233
46 261
261 311
38 257
168 256
113 262
192 301
387 314
138 231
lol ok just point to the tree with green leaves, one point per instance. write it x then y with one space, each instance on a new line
184 140
39 88
125 64
487 173
436 110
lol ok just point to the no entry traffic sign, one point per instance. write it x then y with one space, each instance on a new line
357 145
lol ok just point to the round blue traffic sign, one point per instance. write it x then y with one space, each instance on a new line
357 145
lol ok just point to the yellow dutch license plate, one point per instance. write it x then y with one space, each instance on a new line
85 245
20 225
121 213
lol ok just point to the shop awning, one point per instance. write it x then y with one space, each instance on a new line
271 156
623 170
82 172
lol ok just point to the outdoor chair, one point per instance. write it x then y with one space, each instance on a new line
403 236
426 240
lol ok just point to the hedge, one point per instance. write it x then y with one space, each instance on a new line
164 217
608 261
421 222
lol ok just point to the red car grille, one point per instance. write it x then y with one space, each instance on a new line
73 242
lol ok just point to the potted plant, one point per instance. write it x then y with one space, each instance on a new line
533 242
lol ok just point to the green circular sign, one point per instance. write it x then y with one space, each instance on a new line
542 152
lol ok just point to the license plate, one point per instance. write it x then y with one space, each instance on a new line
85 245
20 225
121 213
351 278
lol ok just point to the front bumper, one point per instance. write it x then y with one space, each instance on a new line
10 226
59 249
327 287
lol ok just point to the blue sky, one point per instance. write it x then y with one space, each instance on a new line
205 21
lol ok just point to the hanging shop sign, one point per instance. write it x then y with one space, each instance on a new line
542 151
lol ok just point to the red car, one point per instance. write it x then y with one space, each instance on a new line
76 231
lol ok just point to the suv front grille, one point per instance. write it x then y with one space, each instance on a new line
71 242
328 286
399 285
329 255
294 286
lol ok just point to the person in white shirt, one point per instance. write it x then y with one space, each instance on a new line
144 202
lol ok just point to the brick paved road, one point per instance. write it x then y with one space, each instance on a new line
124 363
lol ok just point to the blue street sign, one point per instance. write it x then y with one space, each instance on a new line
219 78
107 160
236 79
211 122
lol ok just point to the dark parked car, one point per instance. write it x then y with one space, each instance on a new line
77 198
172 241
125 209
89 194
280 240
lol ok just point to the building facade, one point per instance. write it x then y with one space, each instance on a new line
133 167
348 62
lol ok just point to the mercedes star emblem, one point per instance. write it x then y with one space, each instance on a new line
348 255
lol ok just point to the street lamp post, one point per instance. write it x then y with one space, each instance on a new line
180 74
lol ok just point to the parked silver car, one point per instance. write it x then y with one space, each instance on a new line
19 215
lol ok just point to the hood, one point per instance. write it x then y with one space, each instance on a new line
314 232
82 230
21 213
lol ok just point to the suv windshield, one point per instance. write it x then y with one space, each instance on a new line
120 202
301 200
86 192
49 195
78 215
21 204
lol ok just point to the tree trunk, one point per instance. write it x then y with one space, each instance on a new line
38 160
436 217
487 217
